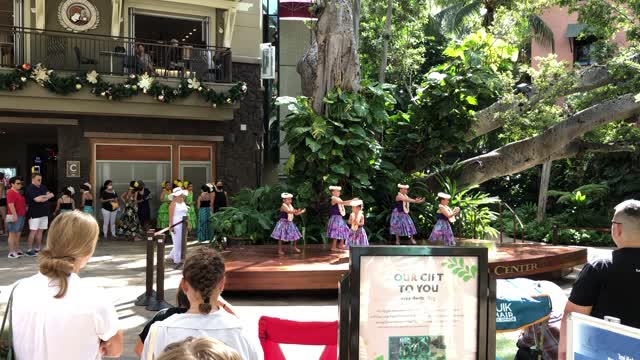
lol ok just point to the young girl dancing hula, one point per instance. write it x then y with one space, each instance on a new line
401 223
356 220
285 229
337 229
442 229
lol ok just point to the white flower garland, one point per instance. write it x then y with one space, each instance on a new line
405 203
290 208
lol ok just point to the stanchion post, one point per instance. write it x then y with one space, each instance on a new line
159 302
185 232
143 300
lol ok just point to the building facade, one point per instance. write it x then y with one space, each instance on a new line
197 51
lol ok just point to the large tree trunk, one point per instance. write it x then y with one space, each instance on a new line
558 142
332 60
543 194
385 42
356 22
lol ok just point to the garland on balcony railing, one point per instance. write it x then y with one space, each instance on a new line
134 85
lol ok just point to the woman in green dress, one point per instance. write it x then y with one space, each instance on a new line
192 209
162 221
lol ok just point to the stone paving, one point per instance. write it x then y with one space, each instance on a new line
119 267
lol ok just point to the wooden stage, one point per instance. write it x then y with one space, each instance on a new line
251 268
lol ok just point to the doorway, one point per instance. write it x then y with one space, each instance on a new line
198 173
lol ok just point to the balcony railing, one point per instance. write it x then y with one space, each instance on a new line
64 51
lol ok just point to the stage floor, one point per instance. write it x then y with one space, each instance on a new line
259 268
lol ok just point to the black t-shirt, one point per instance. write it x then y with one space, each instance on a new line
37 209
108 196
159 316
608 287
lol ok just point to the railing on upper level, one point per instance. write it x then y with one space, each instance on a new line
65 51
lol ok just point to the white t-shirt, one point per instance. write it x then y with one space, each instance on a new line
70 328
218 325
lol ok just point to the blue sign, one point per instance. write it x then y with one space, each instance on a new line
601 340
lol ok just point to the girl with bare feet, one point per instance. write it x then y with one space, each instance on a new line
401 223
285 229
337 229
356 220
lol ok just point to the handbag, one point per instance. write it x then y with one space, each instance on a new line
114 205
6 331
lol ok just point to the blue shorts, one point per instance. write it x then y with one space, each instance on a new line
16 226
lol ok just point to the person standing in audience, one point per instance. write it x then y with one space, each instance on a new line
3 203
129 226
38 197
177 211
219 196
144 210
56 315
86 198
66 202
187 185
204 213
603 286
109 200
162 220
203 282
17 207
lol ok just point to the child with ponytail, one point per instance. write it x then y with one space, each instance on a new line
202 282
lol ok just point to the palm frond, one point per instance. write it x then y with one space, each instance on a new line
541 32
466 11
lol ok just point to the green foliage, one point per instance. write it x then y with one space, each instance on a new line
458 268
579 195
477 71
475 216
341 148
65 85
252 215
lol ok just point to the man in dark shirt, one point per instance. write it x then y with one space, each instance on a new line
37 196
605 287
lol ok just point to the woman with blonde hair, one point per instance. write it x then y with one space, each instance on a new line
46 306
204 348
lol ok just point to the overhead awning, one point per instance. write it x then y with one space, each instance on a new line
295 9
574 30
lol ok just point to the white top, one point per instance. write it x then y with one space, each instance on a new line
181 210
70 328
218 325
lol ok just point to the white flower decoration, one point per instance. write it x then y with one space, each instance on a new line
244 88
40 74
92 77
144 82
23 79
194 83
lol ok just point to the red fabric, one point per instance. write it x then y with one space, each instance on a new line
274 331
15 198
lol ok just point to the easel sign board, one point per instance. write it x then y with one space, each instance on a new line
590 338
418 302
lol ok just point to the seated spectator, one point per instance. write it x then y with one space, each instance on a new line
199 349
55 314
203 282
602 288
183 306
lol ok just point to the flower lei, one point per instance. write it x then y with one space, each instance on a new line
355 224
63 85
340 206
405 204
290 208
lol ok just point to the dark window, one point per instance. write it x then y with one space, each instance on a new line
582 48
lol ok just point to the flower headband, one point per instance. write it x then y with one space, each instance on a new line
286 195
402 186
335 188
